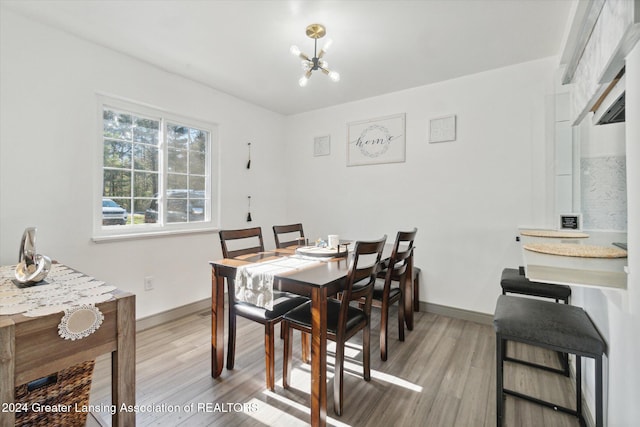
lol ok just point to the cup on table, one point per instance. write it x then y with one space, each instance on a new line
333 241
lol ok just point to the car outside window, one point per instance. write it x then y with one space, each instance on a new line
113 213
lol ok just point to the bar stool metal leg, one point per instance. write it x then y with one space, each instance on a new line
579 386
599 402
500 347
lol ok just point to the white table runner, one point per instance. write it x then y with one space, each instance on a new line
254 282
64 288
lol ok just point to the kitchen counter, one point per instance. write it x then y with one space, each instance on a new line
579 271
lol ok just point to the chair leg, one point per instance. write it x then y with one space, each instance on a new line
286 360
269 332
366 352
384 324
338 376
406 287
231 347
416 290
306 347
400 321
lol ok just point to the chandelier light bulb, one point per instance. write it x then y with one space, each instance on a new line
327 45
306 66
294 50
303 81
323 63
334 76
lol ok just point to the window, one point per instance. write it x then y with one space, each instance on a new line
156 172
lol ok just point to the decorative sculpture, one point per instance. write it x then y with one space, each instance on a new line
32 267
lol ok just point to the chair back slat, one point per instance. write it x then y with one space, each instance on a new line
280 230
400 255
245 236
361 276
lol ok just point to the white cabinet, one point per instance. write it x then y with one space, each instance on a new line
600 38
563 156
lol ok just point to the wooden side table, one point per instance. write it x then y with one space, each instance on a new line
30 348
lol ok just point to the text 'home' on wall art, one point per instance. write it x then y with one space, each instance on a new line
379 140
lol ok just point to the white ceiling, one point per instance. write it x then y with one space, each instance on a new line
241 47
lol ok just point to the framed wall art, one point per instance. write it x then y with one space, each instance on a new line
322 145
442 129
379 140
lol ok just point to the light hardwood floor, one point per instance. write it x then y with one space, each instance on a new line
442 375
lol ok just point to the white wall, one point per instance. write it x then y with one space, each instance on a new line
467 197
49 80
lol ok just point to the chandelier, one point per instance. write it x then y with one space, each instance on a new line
315 32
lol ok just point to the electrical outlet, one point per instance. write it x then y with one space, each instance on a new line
148 283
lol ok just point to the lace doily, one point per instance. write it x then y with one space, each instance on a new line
63 288
79 322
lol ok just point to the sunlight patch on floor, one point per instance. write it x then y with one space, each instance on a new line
270 415
392 379
301 376
355 369
286 417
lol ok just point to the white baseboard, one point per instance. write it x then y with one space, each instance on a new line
458 313
173 314
205 304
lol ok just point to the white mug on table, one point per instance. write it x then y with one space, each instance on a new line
333 241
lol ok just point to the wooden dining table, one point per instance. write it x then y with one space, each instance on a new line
318 283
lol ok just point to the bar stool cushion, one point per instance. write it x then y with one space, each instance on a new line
512 281
561 326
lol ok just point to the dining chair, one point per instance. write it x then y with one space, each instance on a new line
280 231
343 320
247 241
386 293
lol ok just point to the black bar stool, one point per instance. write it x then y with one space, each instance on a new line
560 327
513 281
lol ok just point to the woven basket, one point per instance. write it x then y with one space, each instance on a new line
68 389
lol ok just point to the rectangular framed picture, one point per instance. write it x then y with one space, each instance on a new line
442 129
322 145
374 141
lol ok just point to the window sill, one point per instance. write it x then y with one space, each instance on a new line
150 234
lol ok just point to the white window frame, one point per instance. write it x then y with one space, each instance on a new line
118 232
